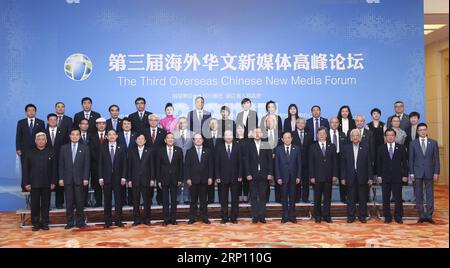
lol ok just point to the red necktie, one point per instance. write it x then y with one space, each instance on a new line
101 138
153 136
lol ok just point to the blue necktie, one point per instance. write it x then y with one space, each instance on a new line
126 139
391 151
229 151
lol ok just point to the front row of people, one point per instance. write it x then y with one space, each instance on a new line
232 162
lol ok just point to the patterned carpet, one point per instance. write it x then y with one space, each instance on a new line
273 234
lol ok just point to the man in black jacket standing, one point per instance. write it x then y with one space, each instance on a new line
39 177
392 172
26 131
112 172
199 174
87 113
259 173
74 167
169 166
229 166
141 174
322 172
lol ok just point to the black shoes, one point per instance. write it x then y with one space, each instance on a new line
421 220
45 228
350 220
206 221
223 221
328 219
69 226
82 226
399 221
262 221
35 228
107 225
119 224
363 220
174 222
387 221
165 223
317 220
254 220
191 221
293 221
284 220
234 221
430 220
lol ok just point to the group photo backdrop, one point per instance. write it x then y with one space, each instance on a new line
362 53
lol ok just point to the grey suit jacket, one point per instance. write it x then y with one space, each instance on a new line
187 143
424 166
73 173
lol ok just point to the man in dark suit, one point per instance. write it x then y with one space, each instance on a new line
199 167
424 169
229 166
139 119
339 139
141 178
56 137
392 171
87 113
288 171
39 177
356 174
98 140
316 121
213 139
169 175
112 172
303 140
411 130
259 172
85 135
26 131
127 138
114 122
248 118
74 166
322 173
65 122
155 137
399 108
197 117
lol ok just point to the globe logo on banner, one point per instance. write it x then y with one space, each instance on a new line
78 67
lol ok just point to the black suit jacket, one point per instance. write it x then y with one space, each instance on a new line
74 173
199 172
131 145
80 115
228 170
323 122
304 149
287 125
140 170
109 125
39 168
364 165
392 170
351 124
159 140
252 121
60 140
264 160
112 172
66 124
88 138
323 168
369 140
96 147
341 138
25 141
138 125
169 173
409 139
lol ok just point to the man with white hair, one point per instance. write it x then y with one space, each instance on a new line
366 137
39 177
356 174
